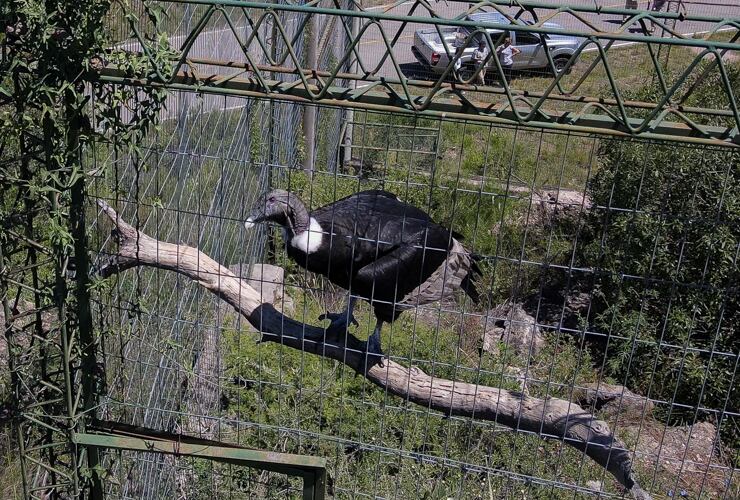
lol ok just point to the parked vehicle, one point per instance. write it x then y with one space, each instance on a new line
429 49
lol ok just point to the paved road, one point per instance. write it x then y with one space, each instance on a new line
219 44
373 47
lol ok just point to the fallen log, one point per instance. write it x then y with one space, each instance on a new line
548 418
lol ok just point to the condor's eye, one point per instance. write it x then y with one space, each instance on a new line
272 199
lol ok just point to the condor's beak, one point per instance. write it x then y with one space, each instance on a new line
257 215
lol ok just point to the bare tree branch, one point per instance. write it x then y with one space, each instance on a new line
551 417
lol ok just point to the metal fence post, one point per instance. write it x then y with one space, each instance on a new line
309 111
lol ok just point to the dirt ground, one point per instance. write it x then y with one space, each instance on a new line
688 463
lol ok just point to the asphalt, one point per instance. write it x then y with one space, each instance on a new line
220 43
372 46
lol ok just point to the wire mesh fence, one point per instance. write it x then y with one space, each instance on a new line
522 200
198 478
559 319
601 355
203 167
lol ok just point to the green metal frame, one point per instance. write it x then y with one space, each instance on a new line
311 469
70 400
448 108
666 117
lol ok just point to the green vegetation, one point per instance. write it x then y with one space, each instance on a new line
629 67
663 238
48 52
669 275
298 403
334 410
11 481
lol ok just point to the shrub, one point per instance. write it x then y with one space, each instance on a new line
662 239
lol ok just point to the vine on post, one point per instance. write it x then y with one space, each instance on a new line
51 113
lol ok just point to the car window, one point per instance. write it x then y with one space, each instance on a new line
496 34
524 38
476 38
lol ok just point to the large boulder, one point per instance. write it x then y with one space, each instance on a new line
558 207
509 323
560 305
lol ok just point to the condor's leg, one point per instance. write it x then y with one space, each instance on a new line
373 342
340 321
373 345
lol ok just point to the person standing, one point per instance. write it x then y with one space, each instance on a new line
461 39
479 58
506 53
630 5
657 6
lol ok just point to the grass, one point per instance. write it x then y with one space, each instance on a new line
473 157
722 36
11 480
537 159
304 404
629 67
334 409
285 400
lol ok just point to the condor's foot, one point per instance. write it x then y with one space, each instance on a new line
339 322
374 354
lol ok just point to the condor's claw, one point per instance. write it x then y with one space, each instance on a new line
339 321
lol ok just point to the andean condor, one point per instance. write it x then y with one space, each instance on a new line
379 248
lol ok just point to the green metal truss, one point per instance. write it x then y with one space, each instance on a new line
563 105
115 436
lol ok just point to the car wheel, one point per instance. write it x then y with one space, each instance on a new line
465 73
559 64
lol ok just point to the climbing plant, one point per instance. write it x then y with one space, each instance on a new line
51 113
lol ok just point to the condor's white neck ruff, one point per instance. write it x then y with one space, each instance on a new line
309 240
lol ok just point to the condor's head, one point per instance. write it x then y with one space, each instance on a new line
280 207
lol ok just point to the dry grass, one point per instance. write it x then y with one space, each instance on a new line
11 486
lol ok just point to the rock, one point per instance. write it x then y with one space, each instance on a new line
595 485
559 206
269 281
556 310
519 375
614 400
510 324
688 455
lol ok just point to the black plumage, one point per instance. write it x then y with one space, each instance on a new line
379 248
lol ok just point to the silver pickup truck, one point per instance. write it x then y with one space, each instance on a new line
431 53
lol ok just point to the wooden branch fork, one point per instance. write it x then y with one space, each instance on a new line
551 417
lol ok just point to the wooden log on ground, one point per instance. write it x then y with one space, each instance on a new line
549 418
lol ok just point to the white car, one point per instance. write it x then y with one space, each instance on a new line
429 49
